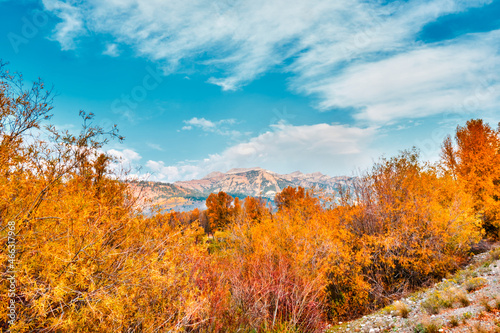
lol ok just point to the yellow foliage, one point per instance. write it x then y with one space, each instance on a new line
474 162
414 223
87 260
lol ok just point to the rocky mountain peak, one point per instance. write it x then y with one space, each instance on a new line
241 182
215 174
257 181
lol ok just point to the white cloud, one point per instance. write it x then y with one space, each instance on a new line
126 155
219 127
337 149
161 172
324 43
204 124
111 50
126 162
425 81
72 25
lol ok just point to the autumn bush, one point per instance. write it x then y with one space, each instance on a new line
472 157
414 223
85 260
280 271
88 260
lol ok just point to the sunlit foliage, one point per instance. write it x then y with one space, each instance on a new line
88 260
473 158
414 223
220 210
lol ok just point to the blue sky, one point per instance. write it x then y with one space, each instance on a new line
198 86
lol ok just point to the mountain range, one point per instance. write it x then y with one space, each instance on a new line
241 182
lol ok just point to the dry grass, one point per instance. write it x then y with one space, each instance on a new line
428 325
479 327
402 309
495 254
444 299
497 302
485 302
474 284
431 306
455 297
454 322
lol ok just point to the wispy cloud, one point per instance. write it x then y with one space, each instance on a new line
284 146
219 127
125 155
126 162
111 50
155 146
423 81
171 173
72 25
328 47
202 123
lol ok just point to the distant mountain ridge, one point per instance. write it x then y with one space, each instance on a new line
240 182
261 182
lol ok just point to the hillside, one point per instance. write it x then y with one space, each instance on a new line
467 301
256 182
167 196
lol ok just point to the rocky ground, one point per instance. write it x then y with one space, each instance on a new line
469 301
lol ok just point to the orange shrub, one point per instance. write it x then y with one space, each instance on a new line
474 161
415 224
